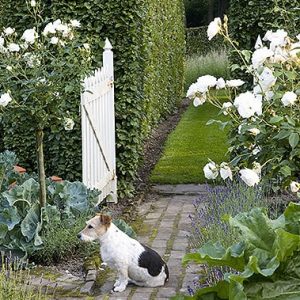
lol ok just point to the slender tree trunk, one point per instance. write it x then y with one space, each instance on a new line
210 13
41 167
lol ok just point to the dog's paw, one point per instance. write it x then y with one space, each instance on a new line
117 283
119 288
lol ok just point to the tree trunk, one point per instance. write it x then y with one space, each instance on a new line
210 13
41 167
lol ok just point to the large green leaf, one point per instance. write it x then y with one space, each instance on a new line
217 255
292 218
10 217
256 228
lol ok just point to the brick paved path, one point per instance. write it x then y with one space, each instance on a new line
165 227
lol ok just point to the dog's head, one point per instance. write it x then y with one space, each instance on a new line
95 228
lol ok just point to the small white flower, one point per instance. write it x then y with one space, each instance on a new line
220 83
260 55
68 124
248 104
54 40
210 171
86 46
256 150
199 100
9 68
295 186
234 82
9 31
5 99
225 171
75 23
277 38
250 177
289 98
13 47
266 79
254 131
33 3
226 107
214 28
257 168
1 41
49 28
29 36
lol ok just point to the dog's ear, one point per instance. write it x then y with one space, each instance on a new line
105 219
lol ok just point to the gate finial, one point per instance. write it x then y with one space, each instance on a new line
107 45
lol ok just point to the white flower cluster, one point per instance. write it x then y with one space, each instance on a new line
250 176
68 124
5 99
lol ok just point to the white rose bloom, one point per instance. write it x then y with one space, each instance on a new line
220 84
54 40
49 28
226 107
214 28
75 23
210 171
295 49
12 47
29 36
234 83
295 186
259 56
277 38
33 3
68 124
206 81
199 100
257 168
256 150
9 31
5 99
289 98
64 29
250 177
1 41
86 46
192 90
254 131
280 55
266 79
248 104
225 171
9 68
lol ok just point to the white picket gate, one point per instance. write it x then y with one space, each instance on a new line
98 129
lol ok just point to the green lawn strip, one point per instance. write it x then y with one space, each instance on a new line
189 146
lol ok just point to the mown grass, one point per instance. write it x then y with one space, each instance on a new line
214 63
189 146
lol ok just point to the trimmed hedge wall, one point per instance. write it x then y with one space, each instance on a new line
197 42
148 41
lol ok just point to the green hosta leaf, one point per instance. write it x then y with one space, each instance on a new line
217 255
256 228
10 217
30 225
294 139
27 192
292 218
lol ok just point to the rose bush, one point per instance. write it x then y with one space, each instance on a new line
264 121
38 69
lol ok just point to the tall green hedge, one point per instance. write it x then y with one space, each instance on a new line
197 41
148 41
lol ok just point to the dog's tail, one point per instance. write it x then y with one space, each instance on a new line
167 273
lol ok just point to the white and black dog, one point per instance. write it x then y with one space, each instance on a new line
133 261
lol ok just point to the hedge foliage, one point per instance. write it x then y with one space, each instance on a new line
248 19
197 42
148 41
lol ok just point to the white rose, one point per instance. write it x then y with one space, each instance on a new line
68 124
295 49
257 168
250 177
226 107
220 84
225 171
33 3
9 68
254 131
29 36
205 82
295 186
260 55
277 38
214 28
5 99
248 104
256 150
199 100
289 98
54 40
49 28
234 82
75 23
12 47
86 46
210 171
1 41
9 31
266 79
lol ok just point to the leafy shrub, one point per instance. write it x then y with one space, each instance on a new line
265 260
214 63
149 53
264 131
196 42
